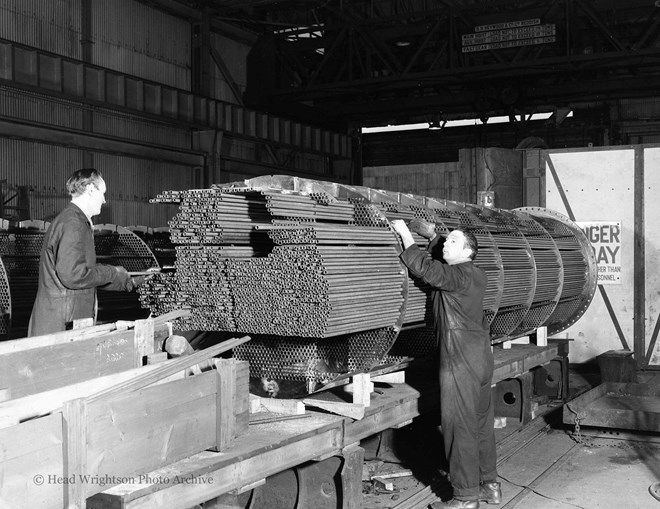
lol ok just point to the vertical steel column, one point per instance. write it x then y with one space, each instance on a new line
86 42
639 256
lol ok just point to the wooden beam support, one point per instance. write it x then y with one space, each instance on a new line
225 418
74 415
144 340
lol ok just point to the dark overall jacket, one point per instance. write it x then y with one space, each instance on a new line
69 274
466 368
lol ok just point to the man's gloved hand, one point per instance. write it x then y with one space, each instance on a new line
421 227
135 282
122 271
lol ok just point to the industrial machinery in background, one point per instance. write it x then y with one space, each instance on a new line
311 271
20 247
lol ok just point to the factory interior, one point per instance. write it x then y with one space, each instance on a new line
274 315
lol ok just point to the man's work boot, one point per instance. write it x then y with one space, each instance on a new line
490 492
455 504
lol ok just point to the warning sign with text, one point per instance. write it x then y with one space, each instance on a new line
605 238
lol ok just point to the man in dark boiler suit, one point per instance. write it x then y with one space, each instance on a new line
68 272
466 361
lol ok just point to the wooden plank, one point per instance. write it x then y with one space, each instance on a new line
511 370
144 340
82 323
57 338
74 415
397 377
541 337
36 370
34 446
337 407
166 369
398 404
259 454
225 420
512 362
44 403
140 431
241 396
282 406
384 419
26 371
539 355
362 387
351 477
156 357
378 370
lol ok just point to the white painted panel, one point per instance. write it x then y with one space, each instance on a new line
652 246
598 185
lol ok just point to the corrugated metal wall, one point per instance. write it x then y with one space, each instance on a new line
639 109
437 180
51 25
60 112
131 182
39 108
135 128
133 38
44 168
136 39
123 40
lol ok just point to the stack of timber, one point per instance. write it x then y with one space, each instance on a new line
82 412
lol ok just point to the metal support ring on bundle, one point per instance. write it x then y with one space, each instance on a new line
20 247
158 242
117 245
5 303
314 286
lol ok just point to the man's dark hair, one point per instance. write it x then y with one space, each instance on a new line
470 242
80 179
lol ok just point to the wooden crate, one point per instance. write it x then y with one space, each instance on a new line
30 366
91 444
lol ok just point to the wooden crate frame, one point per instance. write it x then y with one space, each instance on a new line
61 459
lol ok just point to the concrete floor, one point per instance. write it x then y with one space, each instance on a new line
543 465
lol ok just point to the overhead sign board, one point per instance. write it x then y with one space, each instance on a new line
508 35
508 24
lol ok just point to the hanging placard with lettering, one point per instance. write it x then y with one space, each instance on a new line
605 238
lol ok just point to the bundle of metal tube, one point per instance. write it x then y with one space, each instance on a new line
323 277
324 291
318 261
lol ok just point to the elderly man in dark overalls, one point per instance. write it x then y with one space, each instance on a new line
466 361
